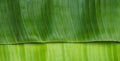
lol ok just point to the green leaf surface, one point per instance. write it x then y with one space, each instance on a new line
59 21
61 52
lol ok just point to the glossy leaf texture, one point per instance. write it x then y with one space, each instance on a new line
59 21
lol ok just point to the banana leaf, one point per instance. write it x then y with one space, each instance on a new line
61 52
31 22
23 21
